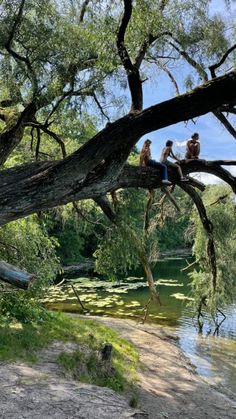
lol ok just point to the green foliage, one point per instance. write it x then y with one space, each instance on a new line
22 341
86 365
116 253
222 213
25 243
172 232
74 230
16 306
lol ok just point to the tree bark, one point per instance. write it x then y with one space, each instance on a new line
39 186
14 276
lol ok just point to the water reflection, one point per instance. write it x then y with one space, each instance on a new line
213 356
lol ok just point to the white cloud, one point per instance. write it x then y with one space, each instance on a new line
209 179
206 178
180 143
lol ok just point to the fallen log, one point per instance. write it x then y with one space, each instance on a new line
14 276
86 268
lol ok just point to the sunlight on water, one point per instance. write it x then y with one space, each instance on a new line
213 356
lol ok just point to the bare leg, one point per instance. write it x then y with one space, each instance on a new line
178 168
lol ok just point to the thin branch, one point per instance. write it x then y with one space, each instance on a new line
146 44
219 115
171 198
213 67
189 265
100 106
148 208
32 138
82 215
202 73
171 77
38 143
220 199
18 57
52 134
58 102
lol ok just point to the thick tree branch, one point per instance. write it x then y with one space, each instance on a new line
11 137
16 24
84 175
43 185
134 81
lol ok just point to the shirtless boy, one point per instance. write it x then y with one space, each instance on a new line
168 152
146 160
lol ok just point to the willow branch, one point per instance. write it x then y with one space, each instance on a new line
18 57
213 67
37 144
219 115
202 73
108 210
100 106
208 227
172 79
16 24
148 209
52 134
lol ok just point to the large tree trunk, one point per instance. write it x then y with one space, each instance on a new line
39 186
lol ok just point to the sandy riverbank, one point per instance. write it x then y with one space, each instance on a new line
169 387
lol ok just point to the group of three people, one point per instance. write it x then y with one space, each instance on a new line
192 153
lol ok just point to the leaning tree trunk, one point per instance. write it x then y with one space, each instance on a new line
15 276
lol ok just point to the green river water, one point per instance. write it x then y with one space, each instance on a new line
213 356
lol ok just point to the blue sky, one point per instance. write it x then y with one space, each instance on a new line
216 142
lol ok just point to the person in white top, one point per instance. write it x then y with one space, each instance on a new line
193 147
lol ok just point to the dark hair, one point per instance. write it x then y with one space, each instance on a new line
195 135
169 143
147 142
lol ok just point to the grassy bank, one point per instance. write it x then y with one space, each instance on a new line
22 342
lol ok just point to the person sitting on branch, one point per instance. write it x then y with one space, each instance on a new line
193 147
167 152
146 160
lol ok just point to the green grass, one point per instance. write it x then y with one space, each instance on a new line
22 341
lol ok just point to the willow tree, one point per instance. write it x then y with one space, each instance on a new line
59 57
